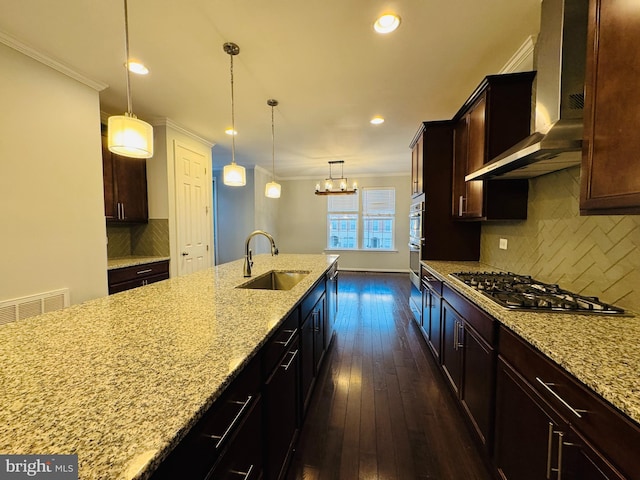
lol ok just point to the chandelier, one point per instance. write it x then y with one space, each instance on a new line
336 185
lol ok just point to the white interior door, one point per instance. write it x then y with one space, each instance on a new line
192 207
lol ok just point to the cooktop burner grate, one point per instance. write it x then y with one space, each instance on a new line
522 292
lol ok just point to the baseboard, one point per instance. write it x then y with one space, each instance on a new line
373 270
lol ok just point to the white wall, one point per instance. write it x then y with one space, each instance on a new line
302 224
52 226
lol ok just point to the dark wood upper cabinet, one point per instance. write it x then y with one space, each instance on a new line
125 187
444 239
610 176
494 118
417 172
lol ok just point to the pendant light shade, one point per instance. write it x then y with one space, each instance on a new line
126 135
130 137
272 189
234 175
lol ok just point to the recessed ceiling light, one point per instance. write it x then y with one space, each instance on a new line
137 67
230 131
387 23
377 120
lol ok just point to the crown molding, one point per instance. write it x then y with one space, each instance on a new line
521 55
40 57
167 122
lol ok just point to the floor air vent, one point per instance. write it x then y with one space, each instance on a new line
25 307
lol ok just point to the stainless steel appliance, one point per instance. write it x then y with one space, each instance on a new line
416 242
522 292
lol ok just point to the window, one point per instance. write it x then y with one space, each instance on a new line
376 217
342 222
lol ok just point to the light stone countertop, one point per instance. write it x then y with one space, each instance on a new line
119 380
602 351
130 261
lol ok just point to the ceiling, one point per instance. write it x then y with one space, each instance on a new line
321 59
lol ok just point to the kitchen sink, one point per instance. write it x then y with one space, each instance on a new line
275 280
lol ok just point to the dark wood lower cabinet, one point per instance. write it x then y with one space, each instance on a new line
281 393
527 430
250 431
533 419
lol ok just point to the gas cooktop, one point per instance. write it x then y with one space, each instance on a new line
522 292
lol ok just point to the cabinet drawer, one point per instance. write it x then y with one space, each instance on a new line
482 323
604 427
203 446
312 298
280 342
431 281
126 274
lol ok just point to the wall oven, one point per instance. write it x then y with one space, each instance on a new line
416 241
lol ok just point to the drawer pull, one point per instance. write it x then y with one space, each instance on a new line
245 475
549 442
222 438
141 272
291 337
548 386
293 357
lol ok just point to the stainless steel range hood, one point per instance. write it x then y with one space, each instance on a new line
559 98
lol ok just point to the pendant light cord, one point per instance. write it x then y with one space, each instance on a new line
126 52
273 148
233 119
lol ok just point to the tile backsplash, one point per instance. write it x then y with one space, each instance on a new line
149 239
593 255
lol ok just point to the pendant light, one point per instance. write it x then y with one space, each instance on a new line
233 174
126 134
272 189
342 182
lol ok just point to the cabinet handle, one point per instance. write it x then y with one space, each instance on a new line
118 216
245 475
222 438
455 335
144 271
293 357
548 386
549 442
316 316
461 335
124 217
560 443
461 201
291 337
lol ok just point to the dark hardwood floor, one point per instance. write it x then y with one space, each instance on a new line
381 409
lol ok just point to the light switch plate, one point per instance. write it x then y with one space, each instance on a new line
503 243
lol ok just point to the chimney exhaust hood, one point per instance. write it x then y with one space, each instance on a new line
560 58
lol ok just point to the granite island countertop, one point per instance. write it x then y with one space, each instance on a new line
119 380
601 351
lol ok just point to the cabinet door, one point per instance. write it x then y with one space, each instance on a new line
319 319
435 325
281 412
426 310
460 152
452 341
306 361
527 432
584 462
478 387
610 170
417 168
131 188
108 179
476 158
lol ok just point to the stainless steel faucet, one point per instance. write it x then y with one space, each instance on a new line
248 259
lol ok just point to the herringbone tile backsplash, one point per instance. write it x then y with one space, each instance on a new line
148 239
593 255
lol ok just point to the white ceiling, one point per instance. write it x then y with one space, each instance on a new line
321 59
